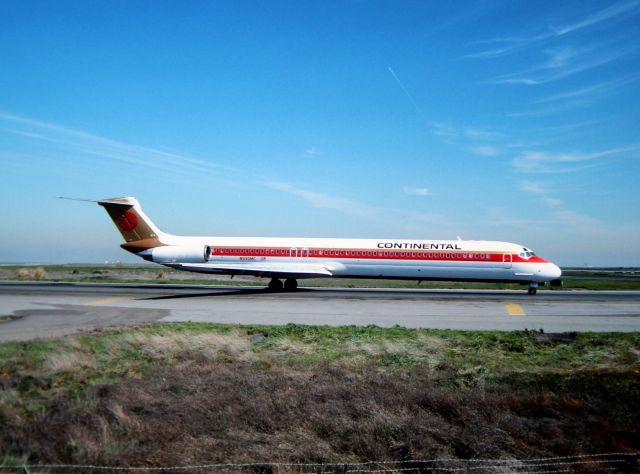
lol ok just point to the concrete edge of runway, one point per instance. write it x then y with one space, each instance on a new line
174 286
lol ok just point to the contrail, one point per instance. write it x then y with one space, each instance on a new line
404 89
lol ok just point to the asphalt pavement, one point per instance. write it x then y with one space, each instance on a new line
41 310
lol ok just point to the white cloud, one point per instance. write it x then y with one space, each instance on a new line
539 189
325 201
417 191
96 145
559 58
564 63
601 88
507 45
554 109
571 99
504 46
570 218
477 134
613 11
484 150
532 187
312 152
546 162
447 131
467 138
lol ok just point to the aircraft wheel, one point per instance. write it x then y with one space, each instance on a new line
290 284
275 285
532 291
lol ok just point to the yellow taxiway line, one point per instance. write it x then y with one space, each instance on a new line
113 299
514 309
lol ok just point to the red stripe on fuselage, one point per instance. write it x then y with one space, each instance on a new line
368 254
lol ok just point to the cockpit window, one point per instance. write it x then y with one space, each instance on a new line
526 253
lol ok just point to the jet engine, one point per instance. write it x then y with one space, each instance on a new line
178 254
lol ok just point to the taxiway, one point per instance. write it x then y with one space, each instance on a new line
40 310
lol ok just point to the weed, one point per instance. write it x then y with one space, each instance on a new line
205 392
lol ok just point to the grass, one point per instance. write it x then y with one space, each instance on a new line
169 393
111 353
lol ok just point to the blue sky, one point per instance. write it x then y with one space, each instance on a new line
499 120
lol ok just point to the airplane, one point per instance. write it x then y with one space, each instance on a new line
290 259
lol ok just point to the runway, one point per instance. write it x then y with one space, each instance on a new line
41 310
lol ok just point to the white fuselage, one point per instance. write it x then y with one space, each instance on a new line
465 260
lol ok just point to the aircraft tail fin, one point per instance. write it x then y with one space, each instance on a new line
139 232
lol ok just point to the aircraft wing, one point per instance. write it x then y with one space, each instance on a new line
260 269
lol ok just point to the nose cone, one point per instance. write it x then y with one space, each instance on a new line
552 271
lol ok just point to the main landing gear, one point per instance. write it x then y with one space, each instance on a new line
290 284
533 288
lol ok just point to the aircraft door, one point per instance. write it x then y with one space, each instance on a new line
506 260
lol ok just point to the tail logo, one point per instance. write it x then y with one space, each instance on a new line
127 221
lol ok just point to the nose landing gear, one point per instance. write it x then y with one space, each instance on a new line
533 288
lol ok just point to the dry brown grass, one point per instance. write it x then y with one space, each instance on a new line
67 361
23 273
289 346
208 346
202 410
38 273
169 395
